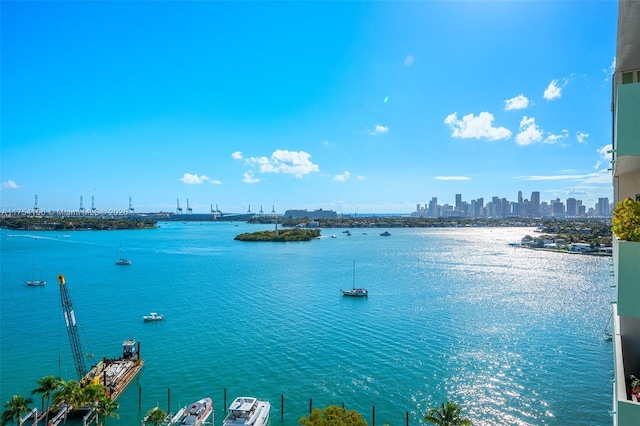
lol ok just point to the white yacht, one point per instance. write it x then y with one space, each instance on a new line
248 411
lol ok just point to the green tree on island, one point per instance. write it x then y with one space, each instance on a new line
14 408
448 414
333 416
155 416
46 386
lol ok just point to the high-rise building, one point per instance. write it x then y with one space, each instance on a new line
602 207
535 204
572 207
433 207
458 202
626 184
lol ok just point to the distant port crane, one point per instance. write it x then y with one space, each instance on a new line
178 208
81 209
72 329
189 209
131 210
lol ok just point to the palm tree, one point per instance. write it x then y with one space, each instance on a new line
71 393
156 416
92 394
14 408
107 407
46 386
448 414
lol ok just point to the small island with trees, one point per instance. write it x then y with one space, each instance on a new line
47 223
285 235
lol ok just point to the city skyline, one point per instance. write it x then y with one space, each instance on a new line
259 103
574 208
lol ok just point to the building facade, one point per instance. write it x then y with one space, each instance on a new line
626 184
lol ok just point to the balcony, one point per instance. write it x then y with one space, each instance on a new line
627 129
626 341
626 263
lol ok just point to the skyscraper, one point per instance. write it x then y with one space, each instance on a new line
535 204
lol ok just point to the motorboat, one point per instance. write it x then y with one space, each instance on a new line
248 411
153 316
198 412
385 234
355 291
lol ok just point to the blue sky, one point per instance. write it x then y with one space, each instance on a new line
351 106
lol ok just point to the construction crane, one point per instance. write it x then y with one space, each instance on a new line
72 329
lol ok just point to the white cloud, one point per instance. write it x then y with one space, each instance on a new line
408 60
9 184
604 152
359 177
342 177
378 130
237 155
529 132
286 162
551 138
519 102
612 69
452 178
595 177
553 91
581 137
249 178
190 179
476 127
216 182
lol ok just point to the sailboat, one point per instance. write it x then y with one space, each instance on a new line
31 278
355 291
122 261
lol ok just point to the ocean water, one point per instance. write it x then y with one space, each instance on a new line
514 335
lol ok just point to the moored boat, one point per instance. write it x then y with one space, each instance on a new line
31 279
355 291
248 411
385 234
122 261
198 412
153 316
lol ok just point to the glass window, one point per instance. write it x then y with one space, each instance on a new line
627 77
638 77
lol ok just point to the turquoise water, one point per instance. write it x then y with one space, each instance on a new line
514 335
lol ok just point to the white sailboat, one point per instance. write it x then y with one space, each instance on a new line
355 291
31 278
121 260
